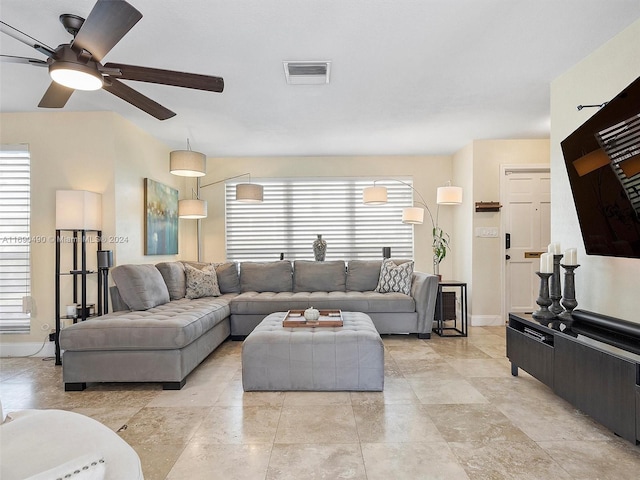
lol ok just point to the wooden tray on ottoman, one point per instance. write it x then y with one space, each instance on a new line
328 318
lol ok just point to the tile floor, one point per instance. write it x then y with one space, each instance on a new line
450 410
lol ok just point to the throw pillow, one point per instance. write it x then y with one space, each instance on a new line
140 286
395 278
201 283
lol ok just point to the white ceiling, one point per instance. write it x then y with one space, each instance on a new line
407 76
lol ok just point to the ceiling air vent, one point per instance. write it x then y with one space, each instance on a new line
307 73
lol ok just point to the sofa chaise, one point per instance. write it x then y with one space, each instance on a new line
169 317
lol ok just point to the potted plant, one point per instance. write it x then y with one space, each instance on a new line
440 245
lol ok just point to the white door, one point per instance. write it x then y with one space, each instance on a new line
526 204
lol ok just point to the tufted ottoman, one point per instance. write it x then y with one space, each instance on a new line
350 357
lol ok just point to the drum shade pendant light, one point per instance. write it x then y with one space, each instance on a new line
187 163
192 208
374 195
449 195
249 192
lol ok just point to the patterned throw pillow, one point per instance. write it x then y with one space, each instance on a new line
395 278
201 283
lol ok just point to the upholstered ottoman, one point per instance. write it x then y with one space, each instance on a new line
350 357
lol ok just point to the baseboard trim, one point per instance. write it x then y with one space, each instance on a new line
27 349
486 321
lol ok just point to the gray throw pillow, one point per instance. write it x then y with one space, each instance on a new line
395 278
228 277
174 277
141 286
363 275
201 283
266 276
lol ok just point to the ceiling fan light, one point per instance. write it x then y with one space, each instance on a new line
249 192
192 208
75 75
374 195
413 215
187 163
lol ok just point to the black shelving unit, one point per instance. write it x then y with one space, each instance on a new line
77 239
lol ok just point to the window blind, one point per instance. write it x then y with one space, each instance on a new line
296 210
15 238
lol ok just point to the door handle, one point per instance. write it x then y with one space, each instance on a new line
507 257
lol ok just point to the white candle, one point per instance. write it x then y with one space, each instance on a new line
546 263
554 248
570 256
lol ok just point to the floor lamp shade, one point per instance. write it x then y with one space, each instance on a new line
449 195
78 210
414 215
187 163
374 195
249 192
192 208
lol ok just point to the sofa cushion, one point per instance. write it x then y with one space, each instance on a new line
395 278
174 277
201 283
264 303
310 276
363 275
254 303
266 276
166 327
228 278
140 286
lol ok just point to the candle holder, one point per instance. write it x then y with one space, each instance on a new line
555 289
544 315
569 297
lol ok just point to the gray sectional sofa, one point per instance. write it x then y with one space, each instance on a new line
156 334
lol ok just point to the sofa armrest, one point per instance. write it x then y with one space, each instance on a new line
424 290
117 304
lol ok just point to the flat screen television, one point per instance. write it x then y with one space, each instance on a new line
602 158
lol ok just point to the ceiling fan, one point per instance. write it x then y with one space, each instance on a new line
76 65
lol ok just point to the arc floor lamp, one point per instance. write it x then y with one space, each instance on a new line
187 163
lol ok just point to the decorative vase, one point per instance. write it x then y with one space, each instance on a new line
319 249
311 314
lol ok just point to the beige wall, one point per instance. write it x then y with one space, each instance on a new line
461 243
100 152
612 285
488 255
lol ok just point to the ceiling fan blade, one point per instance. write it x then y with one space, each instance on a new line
137 99
56 96
108 22
31 61
26 39
169 77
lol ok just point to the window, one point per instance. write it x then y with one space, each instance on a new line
15 238
296 210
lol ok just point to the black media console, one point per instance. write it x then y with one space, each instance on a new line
593 363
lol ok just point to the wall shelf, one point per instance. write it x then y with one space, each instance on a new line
488 206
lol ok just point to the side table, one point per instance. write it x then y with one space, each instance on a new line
442 311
